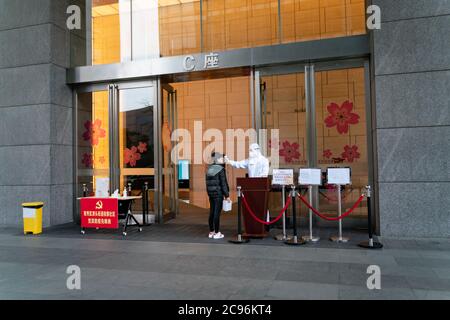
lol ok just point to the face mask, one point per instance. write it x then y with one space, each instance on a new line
253 153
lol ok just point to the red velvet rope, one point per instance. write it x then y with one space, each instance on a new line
333 200
288 202
361 198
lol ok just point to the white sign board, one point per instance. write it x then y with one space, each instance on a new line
339 176
102 187
283 177
310 177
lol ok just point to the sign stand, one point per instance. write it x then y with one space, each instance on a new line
284 236
283 177
339 238
310 238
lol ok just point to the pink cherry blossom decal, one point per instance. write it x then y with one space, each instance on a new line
142 147
341 116
94 131
351 153
290 151
87 160
131 156
327 153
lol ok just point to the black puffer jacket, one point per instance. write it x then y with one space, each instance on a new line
216 182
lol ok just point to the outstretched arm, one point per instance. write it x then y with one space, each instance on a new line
237 164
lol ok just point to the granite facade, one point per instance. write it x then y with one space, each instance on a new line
412 81
36 119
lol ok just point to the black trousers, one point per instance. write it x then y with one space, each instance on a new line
214 214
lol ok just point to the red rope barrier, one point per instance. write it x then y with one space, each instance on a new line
344 196
358 202
288 202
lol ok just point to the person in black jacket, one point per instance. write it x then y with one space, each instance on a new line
218 190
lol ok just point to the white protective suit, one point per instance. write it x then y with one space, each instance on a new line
257 165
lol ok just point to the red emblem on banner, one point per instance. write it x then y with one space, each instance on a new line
99 213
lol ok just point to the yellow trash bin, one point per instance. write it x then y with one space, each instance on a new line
32 217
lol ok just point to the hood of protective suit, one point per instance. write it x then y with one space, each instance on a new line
254 151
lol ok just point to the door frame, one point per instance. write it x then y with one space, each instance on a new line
113 89
159 164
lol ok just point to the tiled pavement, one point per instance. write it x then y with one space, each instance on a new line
176 261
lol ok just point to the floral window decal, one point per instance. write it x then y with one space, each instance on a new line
87 160
133 155
290 151
94 132
341 117
351 153
327 153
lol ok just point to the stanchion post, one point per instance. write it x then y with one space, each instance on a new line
239 239
144 203
339 238
85 190
284 236
310 238
370 244
295 241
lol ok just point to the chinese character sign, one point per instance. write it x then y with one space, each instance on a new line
102 213
211 60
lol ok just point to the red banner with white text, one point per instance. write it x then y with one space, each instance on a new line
102 213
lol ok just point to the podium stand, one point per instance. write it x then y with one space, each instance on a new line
256 192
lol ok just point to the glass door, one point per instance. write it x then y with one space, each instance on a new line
136 105
168 161
341 122
323 116
92 154
115 139
281 105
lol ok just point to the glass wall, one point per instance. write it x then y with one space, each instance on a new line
233 24
124 30
320 19
179 25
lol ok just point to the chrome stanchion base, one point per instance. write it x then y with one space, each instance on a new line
310 239
295 242
339 239
239 240
370 244
281 237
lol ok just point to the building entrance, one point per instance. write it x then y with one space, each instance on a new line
127 131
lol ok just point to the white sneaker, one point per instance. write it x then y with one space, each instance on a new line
211 235
218 235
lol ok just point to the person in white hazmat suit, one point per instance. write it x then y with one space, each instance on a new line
257 164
